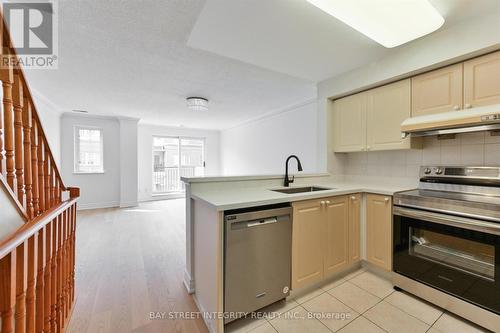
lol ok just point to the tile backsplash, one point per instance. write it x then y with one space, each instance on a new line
476 149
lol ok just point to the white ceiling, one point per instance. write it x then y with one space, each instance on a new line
142 58
130 58
295 37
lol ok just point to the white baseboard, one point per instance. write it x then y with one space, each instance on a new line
188 282
163 197
97 205
129 204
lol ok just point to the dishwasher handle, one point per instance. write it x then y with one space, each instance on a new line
261 222
239 225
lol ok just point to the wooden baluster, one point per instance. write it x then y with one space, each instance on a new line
60 279
1 141
57 190
41 171
34 167
8 291
53 182
64 278
7 77
73 250
21 285
27 157
40 286
31 292
18 136
47 175
53 279
67 266
47 279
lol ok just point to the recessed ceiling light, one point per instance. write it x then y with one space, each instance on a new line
197 103
80 111
388 22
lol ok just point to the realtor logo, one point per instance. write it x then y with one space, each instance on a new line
33 29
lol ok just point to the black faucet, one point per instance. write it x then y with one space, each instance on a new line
299 166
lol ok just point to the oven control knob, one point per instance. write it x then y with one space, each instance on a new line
439 171
427 171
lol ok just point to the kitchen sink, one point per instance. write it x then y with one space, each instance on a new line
306 189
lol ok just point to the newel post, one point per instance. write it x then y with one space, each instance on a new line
74 192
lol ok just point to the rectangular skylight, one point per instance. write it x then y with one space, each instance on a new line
388 22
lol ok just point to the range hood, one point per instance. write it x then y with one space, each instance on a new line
483 118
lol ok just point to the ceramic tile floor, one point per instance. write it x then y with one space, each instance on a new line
359 302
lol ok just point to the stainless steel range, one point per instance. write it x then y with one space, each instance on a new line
446 241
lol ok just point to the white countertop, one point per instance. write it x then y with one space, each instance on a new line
242 196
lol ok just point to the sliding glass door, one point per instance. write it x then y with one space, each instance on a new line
176 157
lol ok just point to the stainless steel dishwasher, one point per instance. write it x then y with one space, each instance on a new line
257 258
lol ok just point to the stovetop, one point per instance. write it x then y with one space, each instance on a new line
457 191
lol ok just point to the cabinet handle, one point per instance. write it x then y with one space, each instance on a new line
386 200
353 197
468 106
456 108
327 202
322 203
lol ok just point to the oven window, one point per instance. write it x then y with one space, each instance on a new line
459 253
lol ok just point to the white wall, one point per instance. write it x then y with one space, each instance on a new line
50 116
129 180
145 153
262 146
96 190
454 44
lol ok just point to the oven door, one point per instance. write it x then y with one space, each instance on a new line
457 255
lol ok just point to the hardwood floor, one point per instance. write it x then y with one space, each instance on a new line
130 262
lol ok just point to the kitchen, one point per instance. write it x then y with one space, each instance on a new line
405 222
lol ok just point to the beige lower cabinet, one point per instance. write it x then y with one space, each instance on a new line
379 230
324 234
337 234
354 228
307 247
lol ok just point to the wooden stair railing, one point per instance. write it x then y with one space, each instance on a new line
37 261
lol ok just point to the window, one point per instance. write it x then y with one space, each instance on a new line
88 150
176 157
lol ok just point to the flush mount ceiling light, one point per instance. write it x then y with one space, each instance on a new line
388 22
197 103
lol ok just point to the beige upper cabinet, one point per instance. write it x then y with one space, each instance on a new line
388 106
371 120
307 244
482 80
379 230
354 227
337 234
437 91
349 116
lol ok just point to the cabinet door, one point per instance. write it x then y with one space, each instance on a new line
388 106
350 123
437 91
307 243
354 227
379 230
482 80
337 234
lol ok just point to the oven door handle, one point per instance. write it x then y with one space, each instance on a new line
451 220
